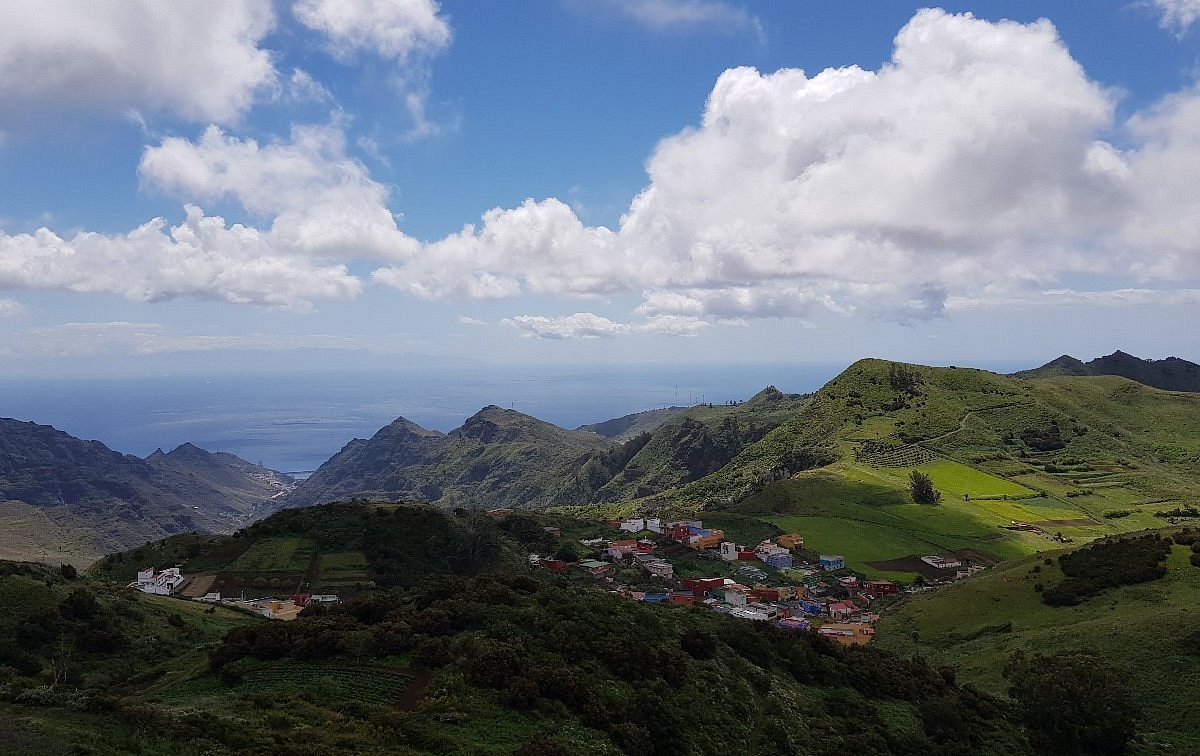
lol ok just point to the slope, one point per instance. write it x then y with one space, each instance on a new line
1066 457
455 660
1148 629
497 458
91 500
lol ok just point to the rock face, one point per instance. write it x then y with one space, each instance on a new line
1170 374
119 500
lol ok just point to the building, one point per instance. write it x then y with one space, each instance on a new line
942 563
790 541
621 549
555 565
700 586
705 538
161 584
842 609
551 530
633 525
594 567
833 562
774 556
881 588
791 623
654 525
847 634
661 569
646 546
685 598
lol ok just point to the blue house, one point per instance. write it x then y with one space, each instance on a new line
811 607
656 598
779 561
833 562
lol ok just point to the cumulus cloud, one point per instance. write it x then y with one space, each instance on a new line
321 201
586 325
1177 15
468 320
389 28
198 60
973 162
202 257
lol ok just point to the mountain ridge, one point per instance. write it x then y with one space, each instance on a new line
1168 374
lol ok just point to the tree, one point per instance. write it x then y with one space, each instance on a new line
1072 702
922 488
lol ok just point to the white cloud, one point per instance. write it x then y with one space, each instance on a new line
468 320
969 160
302 87
682 14
397 29
586 325
1065 298
1177 15
201 257
322 202
11 308
198 60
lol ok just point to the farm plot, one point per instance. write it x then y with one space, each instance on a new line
342 570
289 555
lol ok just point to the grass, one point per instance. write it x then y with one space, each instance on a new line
275 555
1149 629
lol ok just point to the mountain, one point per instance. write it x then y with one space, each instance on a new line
497 458
468 651
1170 374
503 458
64 498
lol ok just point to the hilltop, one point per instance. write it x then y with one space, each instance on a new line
503 458
62 498
1170 374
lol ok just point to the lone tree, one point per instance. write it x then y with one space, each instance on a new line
922 488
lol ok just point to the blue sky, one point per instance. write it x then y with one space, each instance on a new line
376 182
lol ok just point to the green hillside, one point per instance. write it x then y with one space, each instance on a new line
466 651
1148 630
1072 458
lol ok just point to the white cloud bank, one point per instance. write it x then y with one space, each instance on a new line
198 60
971 165
389 28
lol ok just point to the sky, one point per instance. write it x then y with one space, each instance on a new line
334 183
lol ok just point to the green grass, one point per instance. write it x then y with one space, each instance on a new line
275 555
1149 629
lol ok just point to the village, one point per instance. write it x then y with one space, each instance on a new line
761 583
776 580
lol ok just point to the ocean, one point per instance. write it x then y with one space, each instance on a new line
294 421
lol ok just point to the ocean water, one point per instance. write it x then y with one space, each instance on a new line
294 421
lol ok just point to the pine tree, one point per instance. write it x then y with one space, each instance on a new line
922 488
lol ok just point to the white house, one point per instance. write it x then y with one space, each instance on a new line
162 584
654 525
634 525
942 563
729 551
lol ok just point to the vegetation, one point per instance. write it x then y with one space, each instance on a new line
1107 564
921 488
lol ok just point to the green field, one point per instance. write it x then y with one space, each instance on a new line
275 555
1149 629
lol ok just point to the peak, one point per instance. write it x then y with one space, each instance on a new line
766 396
188 449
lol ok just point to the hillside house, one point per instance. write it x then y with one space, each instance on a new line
764 594
830 562
942 563
774 556
660 569
682 530
701 586
850 582
847 634
551 530
656 598
684 598
646 546
705 538
618 550
160 584
881 588
734 596
811 606
594 567
555 565
753 573
654 525
754 614
792 623
790 541
633 525
841 609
